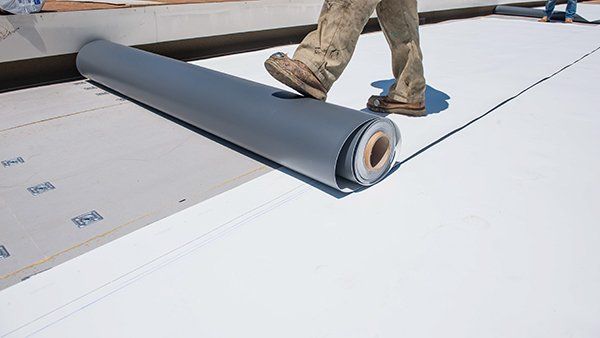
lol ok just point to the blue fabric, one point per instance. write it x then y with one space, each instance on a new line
570 12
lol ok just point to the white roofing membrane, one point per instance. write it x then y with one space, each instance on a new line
491 232
470 66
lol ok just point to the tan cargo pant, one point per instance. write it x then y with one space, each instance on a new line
328 49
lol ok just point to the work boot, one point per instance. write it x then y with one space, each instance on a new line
295 74
384 104
543 19
569 20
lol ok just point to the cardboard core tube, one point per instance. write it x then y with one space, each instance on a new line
377 151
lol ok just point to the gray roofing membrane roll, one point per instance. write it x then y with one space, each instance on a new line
340 147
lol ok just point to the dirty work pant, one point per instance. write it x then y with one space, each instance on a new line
328 49
569 13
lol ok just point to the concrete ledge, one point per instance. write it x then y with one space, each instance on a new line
40 48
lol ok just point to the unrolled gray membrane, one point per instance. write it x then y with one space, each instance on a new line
340 147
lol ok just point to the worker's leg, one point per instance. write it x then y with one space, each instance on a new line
328 49
550 4
571 8
400 23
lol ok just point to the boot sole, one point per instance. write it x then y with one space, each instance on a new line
292 81
400 111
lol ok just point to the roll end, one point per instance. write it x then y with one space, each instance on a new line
377 151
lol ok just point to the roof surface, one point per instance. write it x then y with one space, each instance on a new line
487 227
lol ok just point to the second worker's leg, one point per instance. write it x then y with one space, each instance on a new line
571 9
550 4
